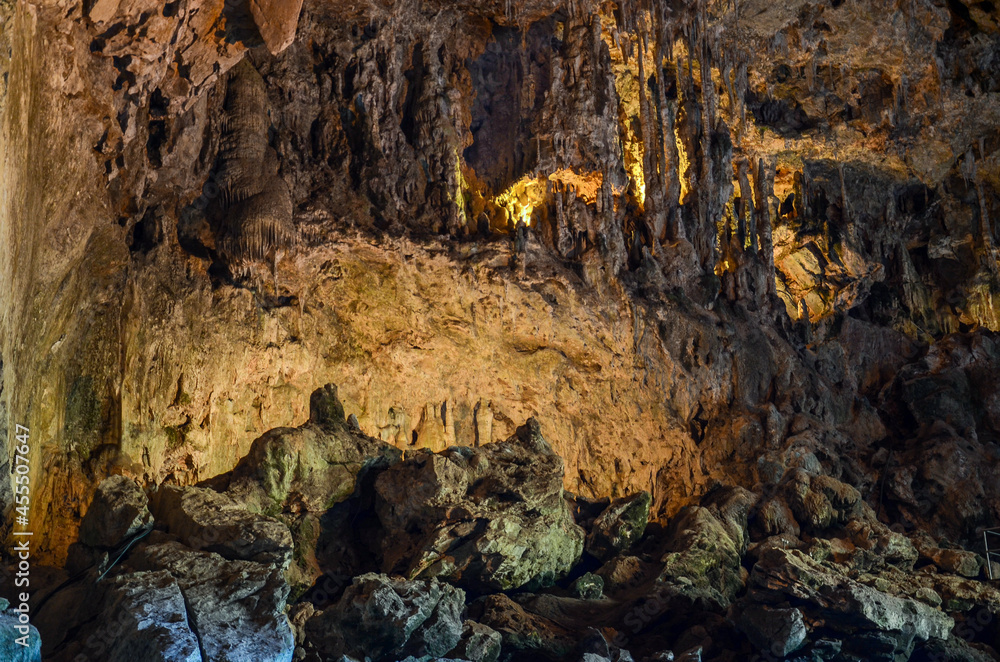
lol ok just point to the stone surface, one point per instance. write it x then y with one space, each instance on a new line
775 631
235 607
385 619
843 604
146 620
588 586
488 518
277 21
619 526
119 511
206 520
479 643
10 648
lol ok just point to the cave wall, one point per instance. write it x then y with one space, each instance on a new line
738 221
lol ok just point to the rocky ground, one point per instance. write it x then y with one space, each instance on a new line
326 544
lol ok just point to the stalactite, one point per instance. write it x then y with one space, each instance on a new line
747 207
763 192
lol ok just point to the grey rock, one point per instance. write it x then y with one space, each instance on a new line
702 558
206 520
119 511
491 518
10 635
774 631
620 526
524 634
479 643
235 607
588 586
841 603
146 620
385 619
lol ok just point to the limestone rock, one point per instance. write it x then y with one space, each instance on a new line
523 633
309 468
479 643
10 649
488 518
588 586
622 573
775 631
235 607
385 619
700 553
203 519
145 620
843 604
119 510
619 526
277 21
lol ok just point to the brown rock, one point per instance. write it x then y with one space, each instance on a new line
277 21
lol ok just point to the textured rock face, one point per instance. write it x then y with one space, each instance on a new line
119 511
235 620
387 619
488 518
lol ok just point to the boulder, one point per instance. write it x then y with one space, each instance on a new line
479 643
622 573
308 468
588 586
118 512
524 635
386 619
888 624
145 620
204 519
491 518
773 630
819 502
10 637
701 554
235 607
620 526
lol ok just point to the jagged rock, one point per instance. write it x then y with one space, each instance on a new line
10 634
819 501
701 554
298 474
119 510
772 630
311 467
277 21
957 561
146 620
928 596
588 586
235 607
953 649
386 618
479 643
206 520
523 633
621 573
888 624
488 518
620 526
